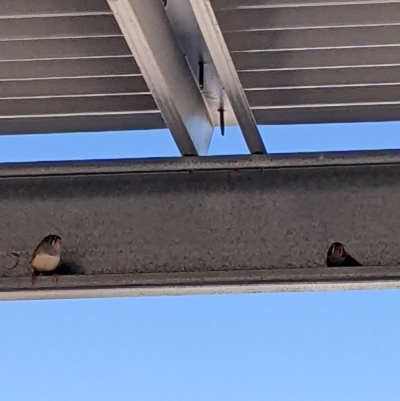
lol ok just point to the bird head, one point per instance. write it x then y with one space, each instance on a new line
53 240
336 250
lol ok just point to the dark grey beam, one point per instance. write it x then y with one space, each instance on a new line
200 226
198 164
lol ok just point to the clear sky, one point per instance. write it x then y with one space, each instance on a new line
159 143
281 347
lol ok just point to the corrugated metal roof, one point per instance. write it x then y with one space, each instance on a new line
315 61
66 65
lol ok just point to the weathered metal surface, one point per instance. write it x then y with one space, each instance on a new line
204 222
156 284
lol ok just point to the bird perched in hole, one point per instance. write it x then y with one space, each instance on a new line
338 257
46 257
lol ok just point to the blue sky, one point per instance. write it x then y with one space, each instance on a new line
281 347
159 143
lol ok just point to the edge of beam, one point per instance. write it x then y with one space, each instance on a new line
191 41
193 164
191 283
227 72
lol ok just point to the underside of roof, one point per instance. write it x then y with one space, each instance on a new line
315 61
192 65
65 67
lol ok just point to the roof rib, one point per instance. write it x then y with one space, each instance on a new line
150 38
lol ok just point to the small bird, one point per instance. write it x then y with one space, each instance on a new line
46 257
338 257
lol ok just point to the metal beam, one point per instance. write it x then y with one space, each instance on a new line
190 39
199 164
219 225
149 36
148 284
225 67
